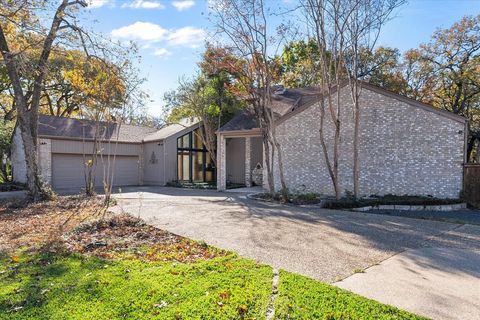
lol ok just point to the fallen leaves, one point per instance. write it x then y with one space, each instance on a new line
124 236
32 225
81 225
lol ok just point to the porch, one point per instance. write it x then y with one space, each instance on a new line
240 160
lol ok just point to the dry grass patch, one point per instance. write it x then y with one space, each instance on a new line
32 225
127 237
84 225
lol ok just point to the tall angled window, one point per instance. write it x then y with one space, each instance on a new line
194 163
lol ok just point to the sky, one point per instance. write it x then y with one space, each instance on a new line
171 33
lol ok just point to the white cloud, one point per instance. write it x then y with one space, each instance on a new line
143 4
181 5
162 53
147 33
140 31
187 37
92 4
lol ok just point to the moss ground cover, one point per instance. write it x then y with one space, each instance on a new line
304 298
77 287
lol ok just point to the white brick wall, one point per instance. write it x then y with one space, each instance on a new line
18 159
248 170
403 149
45 160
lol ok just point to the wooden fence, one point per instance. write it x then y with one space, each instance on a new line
472 184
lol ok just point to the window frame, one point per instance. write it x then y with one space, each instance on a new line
191 150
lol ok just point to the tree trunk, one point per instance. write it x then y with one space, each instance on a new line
283 183
268 162
28 129
356 169
27 109
356 141
477 160
332 170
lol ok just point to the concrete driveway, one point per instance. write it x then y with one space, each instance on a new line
430 268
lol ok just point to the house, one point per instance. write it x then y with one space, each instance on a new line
143 155
406 147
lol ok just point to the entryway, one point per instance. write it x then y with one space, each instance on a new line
243 155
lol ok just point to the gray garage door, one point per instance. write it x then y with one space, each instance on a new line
68 171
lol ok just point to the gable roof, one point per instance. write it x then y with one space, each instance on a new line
283 102
61 127
170 130
293 101
80 129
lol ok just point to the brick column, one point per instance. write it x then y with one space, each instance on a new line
221 163
45 160
141 165
248 170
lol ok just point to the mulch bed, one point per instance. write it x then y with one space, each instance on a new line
32 225
84 225
129 237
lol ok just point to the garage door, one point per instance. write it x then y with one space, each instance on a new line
68 171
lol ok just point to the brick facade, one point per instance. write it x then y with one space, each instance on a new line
222 163
18 159
404 149
248 171
45 159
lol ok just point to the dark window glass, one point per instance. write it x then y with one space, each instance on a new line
193 161
197 140
184 141
183 162
209 169
197 163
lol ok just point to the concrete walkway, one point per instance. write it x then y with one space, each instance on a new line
329 245
441 283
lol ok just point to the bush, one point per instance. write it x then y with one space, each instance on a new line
389 199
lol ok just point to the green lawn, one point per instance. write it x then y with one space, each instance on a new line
304 298
77 287
72 286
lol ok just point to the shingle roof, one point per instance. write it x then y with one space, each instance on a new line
245 120
85 129
283 102
288 102
165 132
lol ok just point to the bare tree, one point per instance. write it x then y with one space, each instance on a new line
27 102
133 100
363 23
342 29
244 25
122 101
327 24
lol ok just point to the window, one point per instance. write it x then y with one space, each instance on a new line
194 163
183 162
